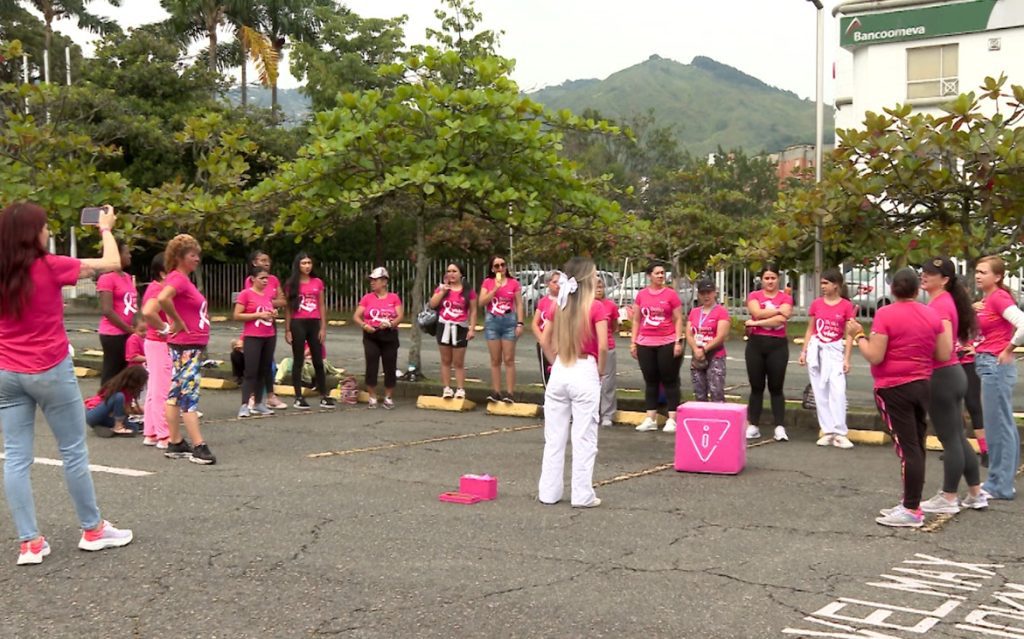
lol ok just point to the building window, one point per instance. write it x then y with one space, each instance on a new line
932 72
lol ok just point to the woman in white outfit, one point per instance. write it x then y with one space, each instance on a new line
576 340
826 355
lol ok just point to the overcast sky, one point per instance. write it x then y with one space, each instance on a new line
557 40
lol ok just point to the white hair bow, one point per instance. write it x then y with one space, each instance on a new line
566 287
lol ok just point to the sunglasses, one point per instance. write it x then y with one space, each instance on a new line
499 265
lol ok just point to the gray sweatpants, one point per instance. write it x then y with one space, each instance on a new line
609 401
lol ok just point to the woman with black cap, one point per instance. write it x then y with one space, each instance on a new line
949 386
708 328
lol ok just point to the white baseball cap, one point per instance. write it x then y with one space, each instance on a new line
379 272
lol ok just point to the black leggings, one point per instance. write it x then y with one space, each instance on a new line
903 409
113 355
972 400
259 356
381 347
947 415
307 331
660 368
767 358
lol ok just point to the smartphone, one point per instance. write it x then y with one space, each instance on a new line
91 215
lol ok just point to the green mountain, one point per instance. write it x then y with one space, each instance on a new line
294 105
708 103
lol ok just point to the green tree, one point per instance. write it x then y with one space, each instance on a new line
910 185
193 20
78 10
298 20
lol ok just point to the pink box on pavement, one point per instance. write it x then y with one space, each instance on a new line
483 486
710 438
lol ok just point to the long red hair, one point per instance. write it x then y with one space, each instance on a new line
20 225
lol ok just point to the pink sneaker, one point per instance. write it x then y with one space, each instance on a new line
274 402
106 536
161 444
32 552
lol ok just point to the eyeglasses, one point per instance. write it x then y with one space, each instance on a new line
499 265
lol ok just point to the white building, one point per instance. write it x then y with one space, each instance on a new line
922 52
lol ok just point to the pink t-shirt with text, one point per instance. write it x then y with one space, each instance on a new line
546 309
704 325
152 292
945 307
309 299
598 313
781 299
191 307
613 315
829 321
455 307
377 309
132 349
504 301
657 327
36 342
994 332
912 329
121 287
253 302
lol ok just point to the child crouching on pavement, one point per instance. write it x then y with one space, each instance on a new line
108 410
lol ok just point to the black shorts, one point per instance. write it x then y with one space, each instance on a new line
461 332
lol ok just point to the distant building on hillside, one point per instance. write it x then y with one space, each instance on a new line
795 159
922 52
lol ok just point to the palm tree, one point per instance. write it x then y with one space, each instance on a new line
53 10
192 20
296 19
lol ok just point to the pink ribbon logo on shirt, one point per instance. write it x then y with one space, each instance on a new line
130 307
827 331
204 319
308 304
651 319
262 322
448 310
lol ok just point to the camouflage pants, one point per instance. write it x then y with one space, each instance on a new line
711 381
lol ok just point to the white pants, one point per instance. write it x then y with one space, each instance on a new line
573 396
609 401
825 368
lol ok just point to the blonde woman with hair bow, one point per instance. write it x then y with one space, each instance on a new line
576 340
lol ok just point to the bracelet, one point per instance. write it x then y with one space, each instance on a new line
103 230
858 337
519 323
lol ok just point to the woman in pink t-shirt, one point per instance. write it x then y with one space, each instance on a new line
906 338
261 259
379 314
158 359
707 330
255 307
826 354
1000 330
501 297
36 371
541 316
188 335
455 303
306 325
576 340
657 345
949 387
119 304
767 353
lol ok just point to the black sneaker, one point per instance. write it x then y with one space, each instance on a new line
984 460
301 403
201 455
507 398
494 396
181 450
328 402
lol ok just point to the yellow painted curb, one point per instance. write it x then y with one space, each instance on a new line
337 323
933 443
433 402
92 352
405 325
217 384
219 318
81 371
633 417
869 437
798 341
513 410
288 391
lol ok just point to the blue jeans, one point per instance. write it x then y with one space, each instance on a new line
997 382
107 412
500 327
55 392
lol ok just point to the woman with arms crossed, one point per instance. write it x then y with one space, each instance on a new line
767 353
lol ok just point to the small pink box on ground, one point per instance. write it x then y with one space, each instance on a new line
711 438
459 498
483 486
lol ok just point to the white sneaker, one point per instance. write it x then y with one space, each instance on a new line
975 503
106 537
940 505
606 423
780 434
460 393
670 425
753 432
647 425
372 403
593 504
447 393
825 440
842 441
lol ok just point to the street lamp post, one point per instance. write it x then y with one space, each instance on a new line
819 131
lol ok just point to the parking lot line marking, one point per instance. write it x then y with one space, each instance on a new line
640 473
421 442
96 468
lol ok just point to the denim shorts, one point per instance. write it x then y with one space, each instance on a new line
500 327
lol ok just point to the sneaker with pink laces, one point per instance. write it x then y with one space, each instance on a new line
105 536
32 552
